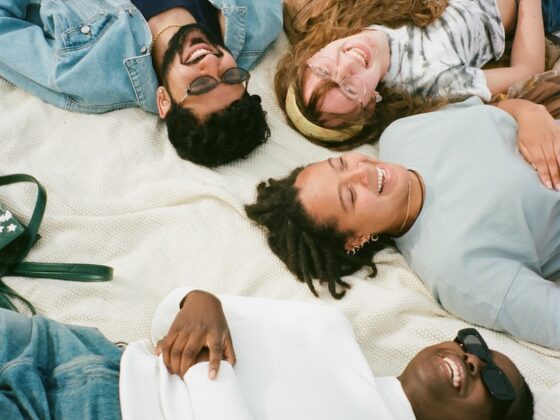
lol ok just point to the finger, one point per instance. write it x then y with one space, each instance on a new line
526 154
215 357
556 147
538 163
158 347
542 169
229 352
190 354
176 353
552 163
165 348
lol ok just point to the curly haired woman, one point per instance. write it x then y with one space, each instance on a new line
470 217
347 77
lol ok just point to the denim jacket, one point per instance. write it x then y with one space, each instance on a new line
93 55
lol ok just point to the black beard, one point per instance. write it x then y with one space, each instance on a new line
177 41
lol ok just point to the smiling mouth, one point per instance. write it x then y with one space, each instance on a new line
456 372
198 54
381 179
357 54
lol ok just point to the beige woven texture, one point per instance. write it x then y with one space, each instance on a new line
119 195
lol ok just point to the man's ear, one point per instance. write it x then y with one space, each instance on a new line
163 102
354 241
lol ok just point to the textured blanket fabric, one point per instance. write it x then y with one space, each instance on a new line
119 195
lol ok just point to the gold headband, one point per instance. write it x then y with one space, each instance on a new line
308 129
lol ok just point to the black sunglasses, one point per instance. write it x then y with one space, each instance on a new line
204 84
495 380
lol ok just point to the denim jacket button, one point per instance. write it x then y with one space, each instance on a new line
143 50
85 29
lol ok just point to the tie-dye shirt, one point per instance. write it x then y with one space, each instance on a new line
444 58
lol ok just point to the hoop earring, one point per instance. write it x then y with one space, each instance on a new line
370 238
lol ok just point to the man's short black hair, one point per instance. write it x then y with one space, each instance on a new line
224 136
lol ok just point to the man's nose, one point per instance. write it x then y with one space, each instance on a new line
474 364
210 66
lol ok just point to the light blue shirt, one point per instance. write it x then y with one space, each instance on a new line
93 56
487 241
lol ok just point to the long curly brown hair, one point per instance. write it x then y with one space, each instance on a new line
321 22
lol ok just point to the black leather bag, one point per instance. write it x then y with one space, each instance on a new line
16 240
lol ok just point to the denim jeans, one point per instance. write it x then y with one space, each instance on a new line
50 370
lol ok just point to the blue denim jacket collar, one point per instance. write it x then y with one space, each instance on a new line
250 27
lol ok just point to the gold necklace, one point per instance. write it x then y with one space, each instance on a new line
408 200
162 31
407 207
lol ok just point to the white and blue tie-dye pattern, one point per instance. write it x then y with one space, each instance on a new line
445 57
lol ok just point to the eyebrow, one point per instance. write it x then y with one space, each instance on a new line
329 160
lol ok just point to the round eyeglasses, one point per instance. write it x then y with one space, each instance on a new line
204 84
351 87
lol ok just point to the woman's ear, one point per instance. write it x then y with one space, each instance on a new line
369 110
354 241
163 102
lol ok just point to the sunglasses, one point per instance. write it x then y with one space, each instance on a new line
204 84
494 379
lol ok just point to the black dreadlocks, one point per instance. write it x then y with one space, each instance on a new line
309 250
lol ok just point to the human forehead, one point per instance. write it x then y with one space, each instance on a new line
318 185
314 177
318 191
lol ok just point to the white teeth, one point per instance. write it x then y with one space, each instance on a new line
198 53
381 176
358 54
455 371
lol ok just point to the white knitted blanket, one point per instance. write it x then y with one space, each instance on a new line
119 195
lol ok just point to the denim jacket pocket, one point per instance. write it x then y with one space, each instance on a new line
87 33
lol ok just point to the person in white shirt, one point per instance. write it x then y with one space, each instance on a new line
53 370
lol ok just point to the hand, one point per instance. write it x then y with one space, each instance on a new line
539 143
199 330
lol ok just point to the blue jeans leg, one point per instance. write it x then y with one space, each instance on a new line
50 370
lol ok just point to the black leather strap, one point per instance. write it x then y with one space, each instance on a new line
63 271
60 271
40 204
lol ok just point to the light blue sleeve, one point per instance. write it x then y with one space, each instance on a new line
251 26
508 297
64 52
26 54
531 309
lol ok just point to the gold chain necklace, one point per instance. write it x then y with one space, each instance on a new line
162 31
408 200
